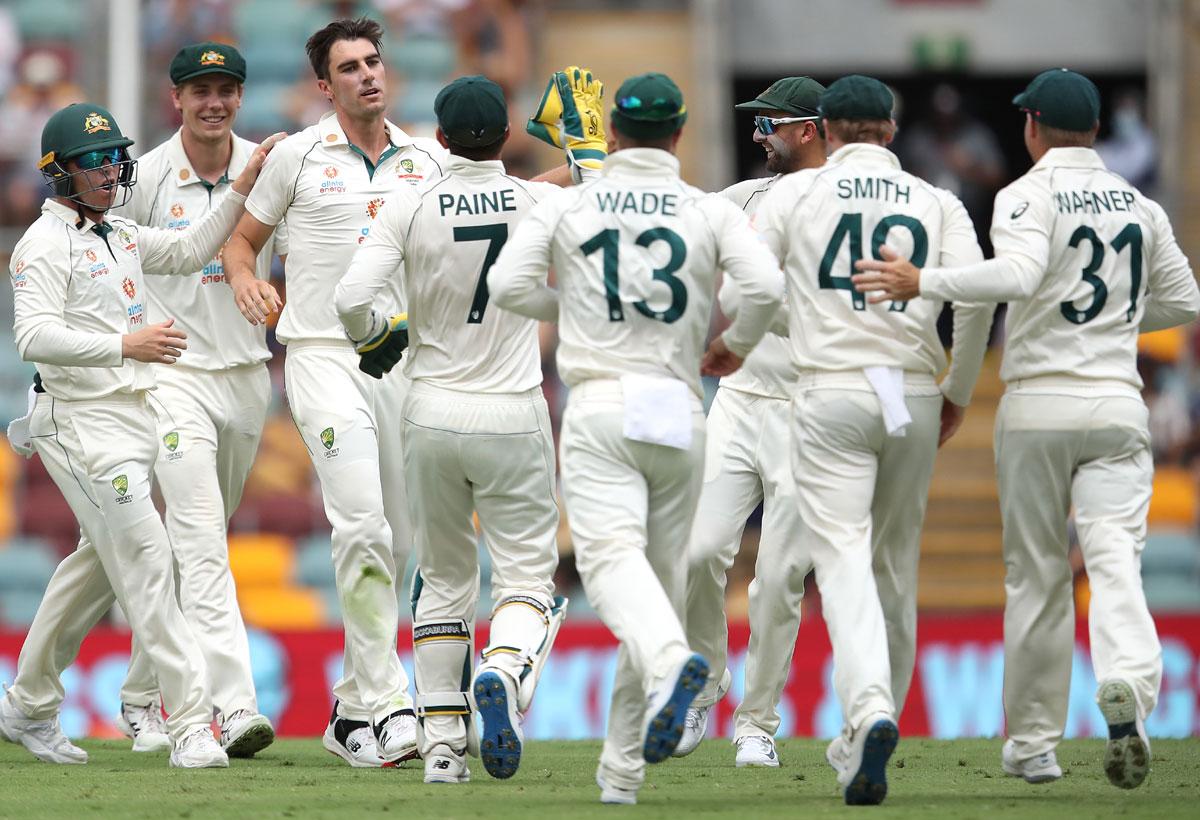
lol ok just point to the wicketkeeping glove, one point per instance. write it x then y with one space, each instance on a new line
571 116
380 353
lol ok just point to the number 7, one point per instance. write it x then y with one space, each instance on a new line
496 235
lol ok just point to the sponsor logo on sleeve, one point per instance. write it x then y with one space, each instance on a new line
19 277
327 440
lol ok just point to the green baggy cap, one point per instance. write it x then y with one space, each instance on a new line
795 95
471 111
649 106
207 58
1062 99
857 97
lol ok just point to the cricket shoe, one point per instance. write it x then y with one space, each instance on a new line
667 707
837 754
695 724
43 738
145 726
396 737
1041 768
444 765
245 732
500 744
352 741
1127 756
864 779
756 750
199 750
614 795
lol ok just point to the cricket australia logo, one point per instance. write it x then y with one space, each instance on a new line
171 442
121 485
95 122
211 57
407 165
327 439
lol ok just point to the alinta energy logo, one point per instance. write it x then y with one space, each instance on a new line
332 184
177 210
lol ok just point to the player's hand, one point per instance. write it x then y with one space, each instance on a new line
719 360
245 180
890 279
571 116
161 343
380 353
952 419
255 298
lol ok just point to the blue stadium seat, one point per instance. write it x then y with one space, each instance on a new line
262 111
1171 553
17 607
26 565
1172 593
314 563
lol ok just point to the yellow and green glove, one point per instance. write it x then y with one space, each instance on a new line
380 353
571 116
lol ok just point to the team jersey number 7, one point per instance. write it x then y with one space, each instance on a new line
496 235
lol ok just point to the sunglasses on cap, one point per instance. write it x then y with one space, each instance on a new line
766 125
96 159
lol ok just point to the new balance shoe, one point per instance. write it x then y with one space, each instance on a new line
695 723
667 707
1041 768
864 780
444 765
756 750
244 732
396 737
613 795
199 750
495 696
837 754
352 741
1127 755
145 726
43 738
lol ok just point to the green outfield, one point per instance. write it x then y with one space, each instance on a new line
297 778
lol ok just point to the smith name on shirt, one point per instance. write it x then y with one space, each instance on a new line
872 188
1092 202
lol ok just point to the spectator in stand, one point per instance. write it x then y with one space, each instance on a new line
1130 149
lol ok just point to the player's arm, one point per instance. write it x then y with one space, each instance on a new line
755 272
1173 298
41 331
517 281
730 300
972 320
165 252
1020 236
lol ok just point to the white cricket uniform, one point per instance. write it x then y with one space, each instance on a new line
76 293
748 462
1086 262
211 406
476 430
861 491
329 193
636 255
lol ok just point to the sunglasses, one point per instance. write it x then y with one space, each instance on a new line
96 159
766 125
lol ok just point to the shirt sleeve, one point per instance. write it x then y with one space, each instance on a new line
1021 225
165 252
1173 297
273 190
753 270
730 300
972 320
770 221
517 281
280 239
40 272
375 261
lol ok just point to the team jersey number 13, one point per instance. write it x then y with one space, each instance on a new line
608 243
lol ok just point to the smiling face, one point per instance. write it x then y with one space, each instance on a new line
783 148
357 80
208 104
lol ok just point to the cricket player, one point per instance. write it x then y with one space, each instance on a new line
1086 262
212 405
747 462
636 254
80 315
868 412
329 182
476 429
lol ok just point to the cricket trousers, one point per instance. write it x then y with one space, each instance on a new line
630 507
862 497
350 424
748 461
1059 443
100 453
491 454
209 426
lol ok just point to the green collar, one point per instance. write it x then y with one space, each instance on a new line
208 186
371 166
102 230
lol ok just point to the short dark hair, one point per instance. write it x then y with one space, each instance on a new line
319 45
477 153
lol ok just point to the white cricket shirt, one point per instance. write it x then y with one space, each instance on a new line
1085 262
77 291
330 195
447 240
819 221
636 254
170 194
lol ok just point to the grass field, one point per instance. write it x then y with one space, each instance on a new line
297 778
